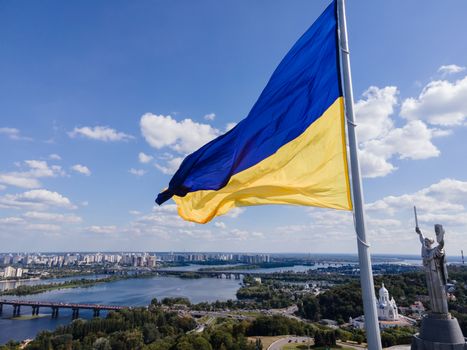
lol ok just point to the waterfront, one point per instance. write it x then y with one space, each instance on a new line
133 292
4 285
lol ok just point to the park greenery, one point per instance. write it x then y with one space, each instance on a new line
155 328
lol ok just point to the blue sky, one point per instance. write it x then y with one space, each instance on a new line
100 100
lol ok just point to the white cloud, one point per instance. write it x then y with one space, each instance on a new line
102 229
230 126
40 168
24 182
29 178
35 199
374 112
220 225
184 137
210 116
440 103
166 208
55 156
82 169
413 141
43 227
144 158
381 142
235 212
443 202
242 235
450 69
373 165
170 166
101 133
390 221
137 172
13 134
448 196
164 217
54 217
11 220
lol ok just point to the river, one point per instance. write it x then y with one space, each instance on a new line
131 292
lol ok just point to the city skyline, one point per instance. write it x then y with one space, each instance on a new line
108 99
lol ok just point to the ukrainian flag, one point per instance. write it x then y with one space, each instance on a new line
290 149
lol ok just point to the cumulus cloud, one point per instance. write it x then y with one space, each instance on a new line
82 169
244 234
230 126
373 165
374 112
52 217
447 196
11 220
170 166
210 116
19 181
101 133
450 69
162 221
220 225
441 103
54 156
443 202
413 141
43 227
137 172
40 168
102 229
381 142
35 199
183 137
13 134
390 219
36 169
235 212
144 158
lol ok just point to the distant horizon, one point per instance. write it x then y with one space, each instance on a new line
212 252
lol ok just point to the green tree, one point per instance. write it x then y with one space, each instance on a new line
102 344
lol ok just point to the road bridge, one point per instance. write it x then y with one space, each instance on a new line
56 306
213 274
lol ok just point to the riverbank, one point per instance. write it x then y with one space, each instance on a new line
80 283
14 280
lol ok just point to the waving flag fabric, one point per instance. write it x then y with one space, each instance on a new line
290 149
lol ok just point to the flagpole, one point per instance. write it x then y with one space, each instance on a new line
366 274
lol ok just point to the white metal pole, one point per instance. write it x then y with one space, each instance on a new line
366 274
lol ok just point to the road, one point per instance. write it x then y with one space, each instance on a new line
278 344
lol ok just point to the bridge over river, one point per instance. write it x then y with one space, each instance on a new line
55 306
212 273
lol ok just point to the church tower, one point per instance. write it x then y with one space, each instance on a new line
387 308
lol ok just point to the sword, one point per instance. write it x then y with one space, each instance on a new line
416 218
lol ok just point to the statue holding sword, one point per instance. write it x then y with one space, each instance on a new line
434 263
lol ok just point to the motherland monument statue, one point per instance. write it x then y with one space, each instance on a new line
439 330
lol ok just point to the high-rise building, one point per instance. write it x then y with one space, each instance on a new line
9 272
151 261
19 272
